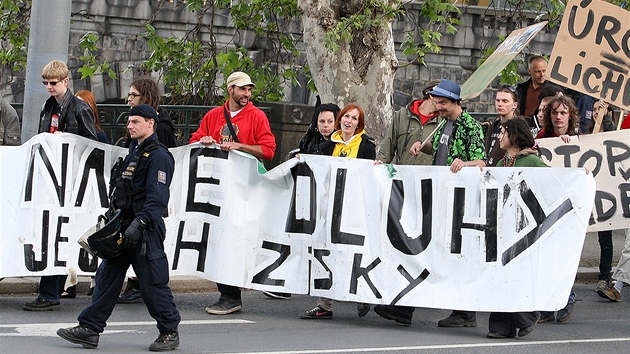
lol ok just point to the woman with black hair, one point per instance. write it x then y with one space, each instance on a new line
320 129
517 141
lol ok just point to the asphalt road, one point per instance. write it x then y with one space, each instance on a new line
272 326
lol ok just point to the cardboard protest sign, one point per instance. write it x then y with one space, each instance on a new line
592 52
502 56
607 156
335 227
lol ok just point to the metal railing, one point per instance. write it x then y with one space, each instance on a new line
186 119
113 119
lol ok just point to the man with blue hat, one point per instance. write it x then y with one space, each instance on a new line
458 142
142 193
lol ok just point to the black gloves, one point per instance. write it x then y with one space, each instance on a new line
132 234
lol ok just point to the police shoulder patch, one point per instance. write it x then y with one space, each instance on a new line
162 177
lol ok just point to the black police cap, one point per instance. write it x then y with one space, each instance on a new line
144 110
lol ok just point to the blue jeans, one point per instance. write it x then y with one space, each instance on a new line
51 286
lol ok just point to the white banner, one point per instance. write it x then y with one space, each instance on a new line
607 155
590 53
345 229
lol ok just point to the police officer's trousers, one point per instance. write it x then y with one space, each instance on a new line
150 264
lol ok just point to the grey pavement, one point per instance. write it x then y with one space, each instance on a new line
587 271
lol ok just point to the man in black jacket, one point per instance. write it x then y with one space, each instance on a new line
62 113
529 90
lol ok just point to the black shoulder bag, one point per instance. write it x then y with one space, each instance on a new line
229 124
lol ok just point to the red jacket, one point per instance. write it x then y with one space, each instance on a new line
250 125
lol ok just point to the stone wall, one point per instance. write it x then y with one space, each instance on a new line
120 23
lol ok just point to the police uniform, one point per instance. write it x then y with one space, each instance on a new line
142 193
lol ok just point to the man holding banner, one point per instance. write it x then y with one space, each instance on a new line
62 113
561 120
458 142
423 114
415 122
238 125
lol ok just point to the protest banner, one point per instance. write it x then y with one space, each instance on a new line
502 56
335 227
607 156
591 53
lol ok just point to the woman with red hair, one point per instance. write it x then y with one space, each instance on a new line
88 97
349 140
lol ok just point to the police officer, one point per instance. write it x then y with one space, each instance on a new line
142 193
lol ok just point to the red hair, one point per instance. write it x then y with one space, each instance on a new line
345 110
88 97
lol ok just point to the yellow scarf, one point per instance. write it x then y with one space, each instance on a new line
348 148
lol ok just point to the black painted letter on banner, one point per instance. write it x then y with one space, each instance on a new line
489 229
60 188
201 247
543 222
193 180
87 262
58 238
263 276
395 232
29 255
336 236
358 271
294 224
624 199
413 282
590 19
323 283
613 159
603 215
95 161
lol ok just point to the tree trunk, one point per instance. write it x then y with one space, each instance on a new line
361 71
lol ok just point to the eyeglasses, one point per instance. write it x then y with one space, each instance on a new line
51 83
131 95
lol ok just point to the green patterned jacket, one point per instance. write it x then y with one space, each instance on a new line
466 142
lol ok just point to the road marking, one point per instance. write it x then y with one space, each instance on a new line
445 346
50 329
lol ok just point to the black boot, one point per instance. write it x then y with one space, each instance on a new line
165 342
132 293
87 337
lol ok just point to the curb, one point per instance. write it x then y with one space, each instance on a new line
178 284
188 284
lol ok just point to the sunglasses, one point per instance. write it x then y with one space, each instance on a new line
132 95
51 83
